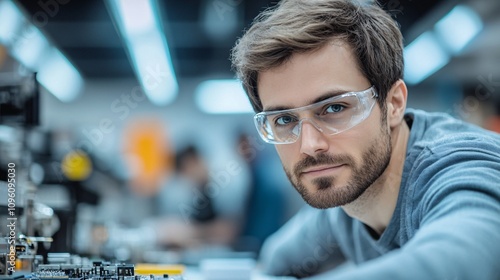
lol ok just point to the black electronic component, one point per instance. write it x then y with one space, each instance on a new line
19 104
125 270
3 264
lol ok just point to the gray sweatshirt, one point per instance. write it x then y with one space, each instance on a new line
446 224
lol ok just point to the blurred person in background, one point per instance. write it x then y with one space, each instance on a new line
191 165
189 207
197 212
401 193
265 206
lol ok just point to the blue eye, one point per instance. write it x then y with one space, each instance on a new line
334 108
284 120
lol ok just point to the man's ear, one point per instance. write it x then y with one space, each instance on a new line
396 103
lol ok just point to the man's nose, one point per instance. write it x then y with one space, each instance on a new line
312 140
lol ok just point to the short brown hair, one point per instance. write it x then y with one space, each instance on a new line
298 26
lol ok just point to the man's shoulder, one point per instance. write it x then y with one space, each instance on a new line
442 134
447 156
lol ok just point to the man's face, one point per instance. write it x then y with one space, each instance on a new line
327 170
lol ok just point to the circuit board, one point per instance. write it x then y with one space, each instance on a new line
98 271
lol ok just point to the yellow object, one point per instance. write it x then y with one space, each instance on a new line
19 264
158 269
76 165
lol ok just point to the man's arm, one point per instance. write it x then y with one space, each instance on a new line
465 245
303 246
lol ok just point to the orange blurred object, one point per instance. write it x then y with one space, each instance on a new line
148 155
493 124
3 55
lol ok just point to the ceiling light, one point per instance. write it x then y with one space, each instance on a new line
423 57
222 97
137 16
31 48
458 28
140 26
60 77
10 22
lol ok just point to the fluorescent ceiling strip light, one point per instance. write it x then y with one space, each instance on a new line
31 48
458 28
140 24
423 57
222 97
10 21
60 77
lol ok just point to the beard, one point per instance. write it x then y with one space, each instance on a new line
330 193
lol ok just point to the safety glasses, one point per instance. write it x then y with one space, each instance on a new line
330 116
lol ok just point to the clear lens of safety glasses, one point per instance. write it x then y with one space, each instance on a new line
331 116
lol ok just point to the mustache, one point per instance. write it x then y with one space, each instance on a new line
321 159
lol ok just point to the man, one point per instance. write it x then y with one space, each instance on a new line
406 194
